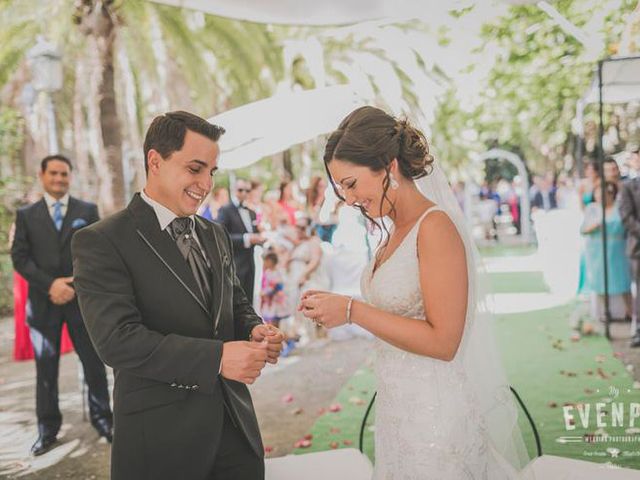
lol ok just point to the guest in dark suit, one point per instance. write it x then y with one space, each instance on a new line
629 206
162 303
41 253
240 222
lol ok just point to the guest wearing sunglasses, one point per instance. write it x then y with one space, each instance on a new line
240 222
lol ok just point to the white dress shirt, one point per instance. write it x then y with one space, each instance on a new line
50 201
166 216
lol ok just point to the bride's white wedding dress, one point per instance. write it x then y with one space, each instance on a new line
428 424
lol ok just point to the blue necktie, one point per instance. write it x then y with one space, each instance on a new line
57 215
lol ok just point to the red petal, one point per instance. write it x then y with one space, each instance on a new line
288 398
334 445
347 442
308 436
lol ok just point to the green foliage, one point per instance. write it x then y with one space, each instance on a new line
531 92
11 191
11 179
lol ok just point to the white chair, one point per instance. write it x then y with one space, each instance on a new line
560 468
331 464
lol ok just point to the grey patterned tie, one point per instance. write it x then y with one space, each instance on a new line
181 230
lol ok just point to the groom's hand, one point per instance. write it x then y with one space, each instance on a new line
274 338
243 361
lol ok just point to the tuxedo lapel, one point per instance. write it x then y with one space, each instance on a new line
45 219
72 212
220 260
163 246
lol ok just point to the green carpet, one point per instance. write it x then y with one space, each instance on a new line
507 251
547 369
525 282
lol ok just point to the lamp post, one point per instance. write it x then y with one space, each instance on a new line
45 62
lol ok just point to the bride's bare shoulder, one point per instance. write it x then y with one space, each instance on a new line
438 233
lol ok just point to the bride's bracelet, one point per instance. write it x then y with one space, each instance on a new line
349 310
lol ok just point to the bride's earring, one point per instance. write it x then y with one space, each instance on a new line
393 182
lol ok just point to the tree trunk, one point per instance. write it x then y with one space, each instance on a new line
83 179
96 20
133 143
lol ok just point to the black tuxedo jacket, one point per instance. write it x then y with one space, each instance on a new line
41 254
229 217
139 302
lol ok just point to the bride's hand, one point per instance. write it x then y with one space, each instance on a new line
324 308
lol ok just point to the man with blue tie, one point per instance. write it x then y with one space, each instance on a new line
41 253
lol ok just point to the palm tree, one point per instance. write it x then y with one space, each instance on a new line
126 62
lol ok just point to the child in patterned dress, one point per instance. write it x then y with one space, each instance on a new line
273 299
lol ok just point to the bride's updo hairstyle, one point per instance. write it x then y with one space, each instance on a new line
372 138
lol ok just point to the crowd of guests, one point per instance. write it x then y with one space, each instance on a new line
620 202
290 226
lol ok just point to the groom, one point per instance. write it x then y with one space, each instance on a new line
163 306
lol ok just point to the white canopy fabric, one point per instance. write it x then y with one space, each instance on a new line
312 12
272 125
620 82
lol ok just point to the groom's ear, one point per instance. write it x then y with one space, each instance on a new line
153 161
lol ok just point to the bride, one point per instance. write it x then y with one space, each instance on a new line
443 409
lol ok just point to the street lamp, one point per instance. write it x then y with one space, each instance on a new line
45 62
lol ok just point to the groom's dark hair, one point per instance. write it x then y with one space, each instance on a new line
166 133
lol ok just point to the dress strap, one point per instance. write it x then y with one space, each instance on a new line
434 208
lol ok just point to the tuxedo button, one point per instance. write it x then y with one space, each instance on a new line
180 386
174 385
187 387
195 387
